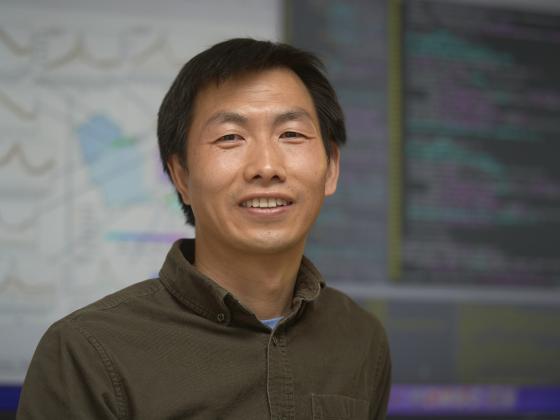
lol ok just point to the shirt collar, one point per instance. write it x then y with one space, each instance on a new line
208 299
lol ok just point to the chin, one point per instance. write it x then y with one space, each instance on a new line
269 243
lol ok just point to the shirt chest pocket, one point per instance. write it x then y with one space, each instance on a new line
338 407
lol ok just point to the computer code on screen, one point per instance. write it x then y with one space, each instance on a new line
481 143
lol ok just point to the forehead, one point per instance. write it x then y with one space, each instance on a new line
254 92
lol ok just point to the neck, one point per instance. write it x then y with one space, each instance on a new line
264 283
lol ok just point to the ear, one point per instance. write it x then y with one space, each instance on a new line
333 169
180 177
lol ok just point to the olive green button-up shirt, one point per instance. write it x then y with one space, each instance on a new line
182 347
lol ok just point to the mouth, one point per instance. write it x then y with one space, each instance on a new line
266 203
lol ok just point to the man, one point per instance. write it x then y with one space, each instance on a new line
239 325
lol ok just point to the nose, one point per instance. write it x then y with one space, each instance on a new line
265 163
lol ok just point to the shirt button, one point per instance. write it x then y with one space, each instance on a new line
221 317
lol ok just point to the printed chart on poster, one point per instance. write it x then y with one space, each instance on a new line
85 208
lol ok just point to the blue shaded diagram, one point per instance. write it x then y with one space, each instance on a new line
114 161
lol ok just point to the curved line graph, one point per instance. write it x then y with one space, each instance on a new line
12 282
17 109
19 226
13 46
80 52
159 46
16 152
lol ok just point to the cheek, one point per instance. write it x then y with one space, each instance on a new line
210 173
311 169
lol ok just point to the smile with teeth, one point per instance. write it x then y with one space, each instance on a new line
265 203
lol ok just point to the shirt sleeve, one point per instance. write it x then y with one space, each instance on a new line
382 390
70 377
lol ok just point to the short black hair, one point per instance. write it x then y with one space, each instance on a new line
229 59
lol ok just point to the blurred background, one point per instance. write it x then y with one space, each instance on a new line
446 223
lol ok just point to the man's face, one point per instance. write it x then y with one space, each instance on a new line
257 170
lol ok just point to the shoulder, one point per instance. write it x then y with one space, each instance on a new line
137 293
343 306
116 311
77 356
89 335
344 314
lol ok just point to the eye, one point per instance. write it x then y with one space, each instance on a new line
291 135
230 138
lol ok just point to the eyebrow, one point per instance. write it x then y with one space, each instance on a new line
226 117
223 117
292 115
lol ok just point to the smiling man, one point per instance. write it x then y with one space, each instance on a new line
239 325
